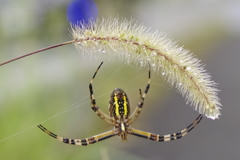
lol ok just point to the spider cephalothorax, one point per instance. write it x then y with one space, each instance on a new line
120 118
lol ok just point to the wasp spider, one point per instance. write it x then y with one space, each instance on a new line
120 118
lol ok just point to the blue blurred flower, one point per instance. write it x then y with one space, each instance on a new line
81 10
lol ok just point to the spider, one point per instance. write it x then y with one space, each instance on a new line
120 118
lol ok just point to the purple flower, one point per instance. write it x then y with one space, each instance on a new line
81 11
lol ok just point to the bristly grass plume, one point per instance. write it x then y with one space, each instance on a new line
135 43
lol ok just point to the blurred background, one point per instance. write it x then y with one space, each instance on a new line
37 89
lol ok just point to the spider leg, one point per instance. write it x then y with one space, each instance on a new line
95 108
138 109
168 137
82 142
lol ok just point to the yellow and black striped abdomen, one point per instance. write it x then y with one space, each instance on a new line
118 103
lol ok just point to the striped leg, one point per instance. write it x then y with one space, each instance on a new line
138 109
83 142
168 137
95 108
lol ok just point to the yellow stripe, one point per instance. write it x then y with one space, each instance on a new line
117 106
142 133
125 105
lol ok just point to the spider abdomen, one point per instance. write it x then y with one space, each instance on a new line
119 103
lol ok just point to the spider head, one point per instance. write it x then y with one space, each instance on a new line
123 133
